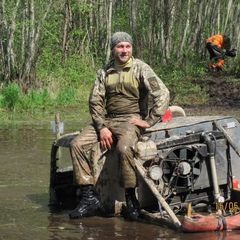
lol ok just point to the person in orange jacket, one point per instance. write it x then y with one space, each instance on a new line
215 46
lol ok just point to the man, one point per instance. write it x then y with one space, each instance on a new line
215 45
121 88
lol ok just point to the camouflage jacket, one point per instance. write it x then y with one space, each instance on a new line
152 86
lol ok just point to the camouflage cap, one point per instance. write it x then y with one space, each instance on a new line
120 37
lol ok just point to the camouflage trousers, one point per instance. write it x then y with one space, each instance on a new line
82 147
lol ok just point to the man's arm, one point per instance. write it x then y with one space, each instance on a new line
156 88
227 43
139 122
160 99
97 102
96 108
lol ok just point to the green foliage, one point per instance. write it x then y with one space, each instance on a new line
36 99
182 84
10 96
121 20
74 72
62 95
71 47
188 93
67 97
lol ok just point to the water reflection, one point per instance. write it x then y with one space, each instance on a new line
105 228
24 197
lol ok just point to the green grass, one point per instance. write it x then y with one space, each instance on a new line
68 90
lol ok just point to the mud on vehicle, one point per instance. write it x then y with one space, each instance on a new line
188 159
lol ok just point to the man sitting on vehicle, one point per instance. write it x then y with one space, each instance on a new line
122 88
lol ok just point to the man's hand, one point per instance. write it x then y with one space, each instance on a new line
231 52
106 138
139 122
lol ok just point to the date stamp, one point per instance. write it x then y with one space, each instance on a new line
227 206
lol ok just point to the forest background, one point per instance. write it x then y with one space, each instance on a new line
50 50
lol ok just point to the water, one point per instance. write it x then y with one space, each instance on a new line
24 211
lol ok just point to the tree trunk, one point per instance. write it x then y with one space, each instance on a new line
68 26
109 33
185 29
8 56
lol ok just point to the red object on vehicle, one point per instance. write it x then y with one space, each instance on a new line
236 184
201 223
167 116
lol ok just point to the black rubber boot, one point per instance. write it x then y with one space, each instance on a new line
133 206
88 204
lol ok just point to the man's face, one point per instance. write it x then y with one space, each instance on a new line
122 52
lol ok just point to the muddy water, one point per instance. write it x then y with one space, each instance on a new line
24 211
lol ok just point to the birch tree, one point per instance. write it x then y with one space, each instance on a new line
16 65
165 32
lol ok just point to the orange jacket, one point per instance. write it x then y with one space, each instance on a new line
220 40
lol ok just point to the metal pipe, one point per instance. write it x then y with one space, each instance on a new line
210 146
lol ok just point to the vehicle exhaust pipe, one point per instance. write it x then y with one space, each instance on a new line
211 154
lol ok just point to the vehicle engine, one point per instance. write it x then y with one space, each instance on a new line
180 167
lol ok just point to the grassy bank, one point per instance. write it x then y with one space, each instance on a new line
68 96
